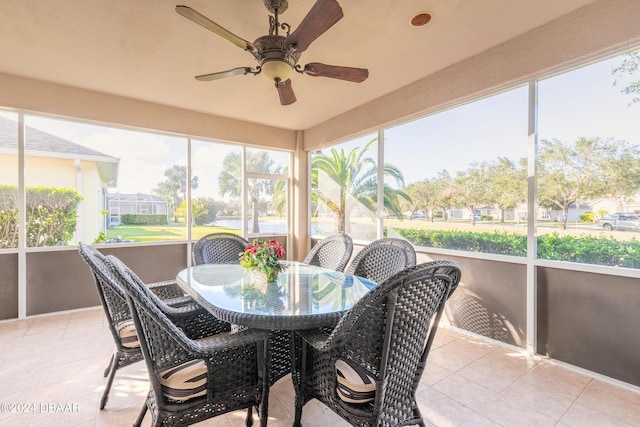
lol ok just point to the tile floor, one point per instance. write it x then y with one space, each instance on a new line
53 365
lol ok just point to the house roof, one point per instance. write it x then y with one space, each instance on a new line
42 144
134 198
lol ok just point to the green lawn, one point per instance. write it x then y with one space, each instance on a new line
154 233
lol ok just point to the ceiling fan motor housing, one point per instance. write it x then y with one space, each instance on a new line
276 60
274 6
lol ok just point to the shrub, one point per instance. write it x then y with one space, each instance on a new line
590 250
587 217
143 219
51 215
494 243
583 249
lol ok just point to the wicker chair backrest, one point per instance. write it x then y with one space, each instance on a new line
332 252
219 248
383 258
112 296
115 265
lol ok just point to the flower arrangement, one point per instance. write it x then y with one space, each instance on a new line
264 256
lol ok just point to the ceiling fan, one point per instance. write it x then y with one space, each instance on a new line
277 55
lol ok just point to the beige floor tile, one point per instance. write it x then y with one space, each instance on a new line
472 395
509 412
459 353
433 373
549 378
583 416
49 325
615 401
467 382
441 410
444 336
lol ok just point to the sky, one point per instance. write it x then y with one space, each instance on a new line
580 103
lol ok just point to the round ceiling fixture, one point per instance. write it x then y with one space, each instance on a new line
420 19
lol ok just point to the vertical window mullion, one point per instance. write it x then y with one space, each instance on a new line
532 151
22 222
244 194
380 197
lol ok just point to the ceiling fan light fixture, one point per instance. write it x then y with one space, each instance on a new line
276 60
277 70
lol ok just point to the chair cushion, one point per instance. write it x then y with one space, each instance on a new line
354 385
185 381
128 335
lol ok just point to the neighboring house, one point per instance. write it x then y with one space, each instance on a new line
573 214
609 205
52 161
121 204
555 215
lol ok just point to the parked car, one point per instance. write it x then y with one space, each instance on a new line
625 221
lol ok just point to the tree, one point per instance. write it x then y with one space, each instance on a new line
420 194
630 66
174 188
507 183
203 210
230 179
354 175
471 188
568 173
443 193
622 170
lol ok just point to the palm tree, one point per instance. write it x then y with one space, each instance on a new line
230 179
174 188
354 175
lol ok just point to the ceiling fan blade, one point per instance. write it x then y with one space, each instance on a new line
207 23
225 74
285 91
356 75
322 16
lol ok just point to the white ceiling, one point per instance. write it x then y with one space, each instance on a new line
143 49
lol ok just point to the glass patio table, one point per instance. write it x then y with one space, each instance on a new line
303 297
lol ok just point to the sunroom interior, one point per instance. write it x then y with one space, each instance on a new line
132 68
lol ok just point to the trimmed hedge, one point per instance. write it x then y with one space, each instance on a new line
493 243
143 219
590 250
51 216
584 249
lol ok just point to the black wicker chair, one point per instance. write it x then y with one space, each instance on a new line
127 347
219 248
385 340
332 252
383 258
193 380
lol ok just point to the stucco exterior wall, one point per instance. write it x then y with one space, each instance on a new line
9 169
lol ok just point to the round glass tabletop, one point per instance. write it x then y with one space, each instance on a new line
303 296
